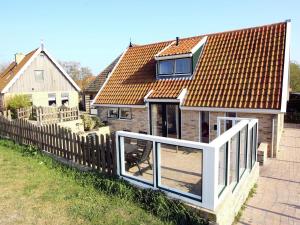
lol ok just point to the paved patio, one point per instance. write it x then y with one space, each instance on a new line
277 200
181 169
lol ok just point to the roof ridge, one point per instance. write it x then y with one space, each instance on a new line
214 33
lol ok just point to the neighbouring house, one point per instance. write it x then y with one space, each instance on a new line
38 75
90 92
179 88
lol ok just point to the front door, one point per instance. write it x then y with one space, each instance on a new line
165 120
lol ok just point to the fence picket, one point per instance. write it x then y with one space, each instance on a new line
96 152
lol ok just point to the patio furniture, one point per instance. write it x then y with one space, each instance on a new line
135 157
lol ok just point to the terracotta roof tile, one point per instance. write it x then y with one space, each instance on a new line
184 46
11 71
96 84
237 69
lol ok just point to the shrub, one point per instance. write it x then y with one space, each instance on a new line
88 123
98 123
17 102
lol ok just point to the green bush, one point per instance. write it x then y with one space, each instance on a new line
88 123
17 102
91 122
98 123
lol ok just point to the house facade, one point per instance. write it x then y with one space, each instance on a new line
179 88
38 75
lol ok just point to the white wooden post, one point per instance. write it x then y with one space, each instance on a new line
210 177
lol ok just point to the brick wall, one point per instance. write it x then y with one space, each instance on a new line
190 125
265 122
139 121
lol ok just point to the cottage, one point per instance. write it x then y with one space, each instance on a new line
38 75
178 88
94 85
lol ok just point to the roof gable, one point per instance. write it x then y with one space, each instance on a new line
96 84
237 69
9 76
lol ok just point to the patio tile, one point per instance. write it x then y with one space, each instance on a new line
277 200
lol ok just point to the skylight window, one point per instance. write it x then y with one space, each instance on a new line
173 67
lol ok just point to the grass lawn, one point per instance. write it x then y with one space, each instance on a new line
34 192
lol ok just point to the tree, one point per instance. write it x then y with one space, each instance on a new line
295 76
75 70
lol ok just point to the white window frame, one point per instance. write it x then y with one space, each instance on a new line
35 76
63 98
109 115
125 118
174 74
51 99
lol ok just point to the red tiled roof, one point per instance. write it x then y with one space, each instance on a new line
11 71
184 46
237 69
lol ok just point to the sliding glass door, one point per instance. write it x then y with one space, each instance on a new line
165 120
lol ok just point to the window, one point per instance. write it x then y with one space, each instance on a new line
234 157
222 179
243 151
229 123
113 113
52 99
166 67
183 66
65 99
254 144
39 75
204 127
125 113
175 67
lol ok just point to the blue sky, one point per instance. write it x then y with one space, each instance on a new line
95 32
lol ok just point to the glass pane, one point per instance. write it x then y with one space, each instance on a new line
254 144
138 159
125 113
166 67
222 168
180 168
249 152
113 113
229 123
205 127
183 66
156 119
243 143
234 145
172 121
39 75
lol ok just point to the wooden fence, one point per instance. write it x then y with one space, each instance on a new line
98 153
50 115
24 113
6 114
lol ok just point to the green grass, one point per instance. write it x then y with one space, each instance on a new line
35 189
238 216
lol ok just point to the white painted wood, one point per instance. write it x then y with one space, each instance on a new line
285 84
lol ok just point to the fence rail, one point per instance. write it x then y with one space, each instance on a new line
50 115
24 113
96 152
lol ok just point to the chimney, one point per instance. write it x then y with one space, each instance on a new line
177 40
19 57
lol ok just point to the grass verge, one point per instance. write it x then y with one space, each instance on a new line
240 213
43 189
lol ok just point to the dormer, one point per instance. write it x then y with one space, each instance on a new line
179 58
